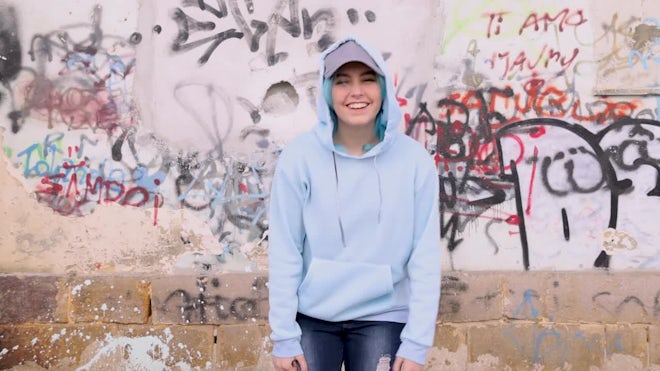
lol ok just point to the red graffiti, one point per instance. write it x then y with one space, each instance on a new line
528 210
541 99
499 18
66 206
539 22
74 106
523 61
565 17
156 203
96 190
513 220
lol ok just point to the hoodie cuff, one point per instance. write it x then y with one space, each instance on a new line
287 348
413 351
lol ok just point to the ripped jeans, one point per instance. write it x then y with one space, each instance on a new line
360 345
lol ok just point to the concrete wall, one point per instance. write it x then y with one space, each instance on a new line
139 139
149 130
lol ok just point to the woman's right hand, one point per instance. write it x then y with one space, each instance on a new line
296 363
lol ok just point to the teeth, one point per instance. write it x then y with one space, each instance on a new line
357 105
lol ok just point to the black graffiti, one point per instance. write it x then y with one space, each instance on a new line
62 40
451 287
602 260
260 133
641 161
83 94
453 295
569 166
135 38
475 175
609 182
128 133
16 120
187 24
354 16
11 61
251 108
185 182
642 139
628 301
248 213
565 224
294 23
129 136
520 211
484 194
203 307
10 46
205 184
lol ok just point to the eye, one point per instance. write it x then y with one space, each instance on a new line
341 81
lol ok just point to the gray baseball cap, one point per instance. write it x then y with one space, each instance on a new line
350 51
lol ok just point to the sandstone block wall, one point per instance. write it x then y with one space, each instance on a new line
488 321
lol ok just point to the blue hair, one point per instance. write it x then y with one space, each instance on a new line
381 123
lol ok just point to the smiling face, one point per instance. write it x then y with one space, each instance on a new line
356 96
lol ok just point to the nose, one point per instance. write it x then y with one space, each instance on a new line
357 89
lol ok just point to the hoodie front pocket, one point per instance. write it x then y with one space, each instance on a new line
337 290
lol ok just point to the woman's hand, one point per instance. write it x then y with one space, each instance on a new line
402 364
296 363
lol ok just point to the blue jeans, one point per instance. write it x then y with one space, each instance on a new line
360 345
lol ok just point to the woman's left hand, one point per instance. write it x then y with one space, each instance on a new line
403 364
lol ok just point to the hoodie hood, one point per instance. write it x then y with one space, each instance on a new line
390 112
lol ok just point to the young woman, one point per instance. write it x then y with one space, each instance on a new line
354 239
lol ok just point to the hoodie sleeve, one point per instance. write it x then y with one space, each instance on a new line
285 262
423 268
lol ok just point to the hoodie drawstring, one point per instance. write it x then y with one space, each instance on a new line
380 190
338 203
341 226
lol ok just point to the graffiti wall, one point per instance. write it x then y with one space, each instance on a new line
142 135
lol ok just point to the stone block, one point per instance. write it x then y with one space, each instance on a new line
449 351
525 346
107 347
117 299
584 344
450 337
467 297
502 343
621 297
654 345
629 340
32 298
142 347
230 298
242 347
50 346
524 295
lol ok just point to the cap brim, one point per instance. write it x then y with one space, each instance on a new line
347 52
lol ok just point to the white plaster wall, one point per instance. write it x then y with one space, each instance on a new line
184 148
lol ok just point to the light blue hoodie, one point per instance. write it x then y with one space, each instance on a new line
355 239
